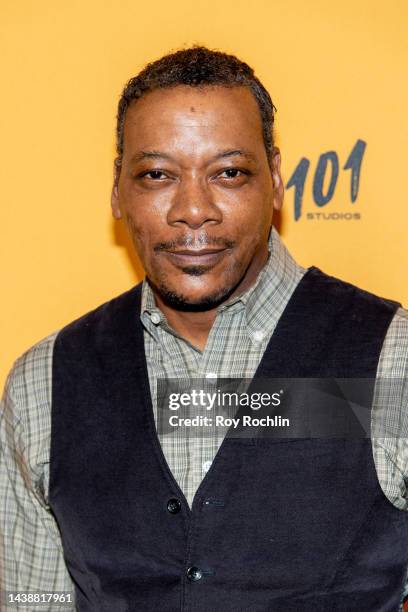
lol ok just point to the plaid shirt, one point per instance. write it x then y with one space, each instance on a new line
31 555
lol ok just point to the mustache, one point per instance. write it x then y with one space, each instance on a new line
195 243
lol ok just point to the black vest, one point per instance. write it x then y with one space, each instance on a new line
277 525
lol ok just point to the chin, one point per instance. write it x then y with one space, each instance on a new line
192 300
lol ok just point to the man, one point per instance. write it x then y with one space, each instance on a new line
96 500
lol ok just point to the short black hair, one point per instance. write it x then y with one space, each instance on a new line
197 66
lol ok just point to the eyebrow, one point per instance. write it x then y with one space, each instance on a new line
236 152
141 155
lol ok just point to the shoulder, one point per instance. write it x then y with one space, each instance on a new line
400 322
397 335
390 412
350 303
29 380
91 327
25 412
393 361
26 397
30 376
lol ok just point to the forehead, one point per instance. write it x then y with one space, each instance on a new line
194 119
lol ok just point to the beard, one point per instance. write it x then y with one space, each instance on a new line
176 299
179 301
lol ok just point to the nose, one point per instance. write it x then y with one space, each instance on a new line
193 205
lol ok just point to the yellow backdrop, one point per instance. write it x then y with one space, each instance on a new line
336 72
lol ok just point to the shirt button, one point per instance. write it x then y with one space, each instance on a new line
194 574
259 336
174 505
155 318
206 466
211 377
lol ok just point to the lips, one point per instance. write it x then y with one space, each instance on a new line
196 257
195 252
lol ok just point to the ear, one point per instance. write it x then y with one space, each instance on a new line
278 189
115 193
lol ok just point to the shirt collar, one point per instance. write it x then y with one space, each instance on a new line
266 300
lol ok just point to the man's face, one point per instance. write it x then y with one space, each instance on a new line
197 191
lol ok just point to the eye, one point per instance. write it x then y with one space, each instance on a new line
232 177
231 173
155 175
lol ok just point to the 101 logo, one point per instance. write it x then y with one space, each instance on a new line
328 162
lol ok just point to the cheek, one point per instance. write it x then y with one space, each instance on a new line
139 234
145 213
251 218
134 228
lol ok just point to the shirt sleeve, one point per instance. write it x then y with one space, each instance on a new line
390 413
31 555
391 416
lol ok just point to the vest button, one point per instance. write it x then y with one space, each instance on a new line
194 574
174 505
